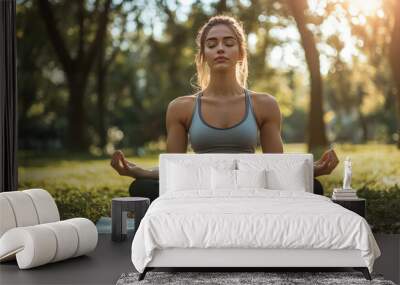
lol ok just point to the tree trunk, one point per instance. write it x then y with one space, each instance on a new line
394 60
361 117
316 126
221 7
76 68
76 139
364 126
101 87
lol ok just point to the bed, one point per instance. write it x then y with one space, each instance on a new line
247 210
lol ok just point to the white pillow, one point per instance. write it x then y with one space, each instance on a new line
223 179
294 180
281 174
251 178
183 178
187 175
227 179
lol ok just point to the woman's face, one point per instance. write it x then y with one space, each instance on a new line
221 49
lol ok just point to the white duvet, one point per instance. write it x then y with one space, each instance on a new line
252 218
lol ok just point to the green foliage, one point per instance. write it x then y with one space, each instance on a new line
375 166
383 209
152 66
73 202
82 186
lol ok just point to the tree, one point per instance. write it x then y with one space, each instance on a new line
394 60
375 39
104 62
316 126
221 7
40 105
77 63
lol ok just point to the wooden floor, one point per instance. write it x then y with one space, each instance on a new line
102 266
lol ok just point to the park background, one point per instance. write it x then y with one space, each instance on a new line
95 76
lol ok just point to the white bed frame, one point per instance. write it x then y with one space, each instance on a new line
250 257
253 257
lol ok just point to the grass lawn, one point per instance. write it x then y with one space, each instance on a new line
81 172
374 165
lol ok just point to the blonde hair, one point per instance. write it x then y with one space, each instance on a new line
203 71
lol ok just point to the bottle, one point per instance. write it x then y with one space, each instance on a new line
347 174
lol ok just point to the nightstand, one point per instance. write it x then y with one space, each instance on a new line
357 205
119 208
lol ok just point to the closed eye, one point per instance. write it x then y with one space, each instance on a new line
227 44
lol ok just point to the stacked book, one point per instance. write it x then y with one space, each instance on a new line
344 194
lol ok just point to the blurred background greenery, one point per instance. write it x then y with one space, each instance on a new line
97 75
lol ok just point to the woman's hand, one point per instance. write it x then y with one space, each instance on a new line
326 164
124 167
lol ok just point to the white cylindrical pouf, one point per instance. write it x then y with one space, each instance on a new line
31 232
34 245
7 217
23 207
87 233
45 205
67 239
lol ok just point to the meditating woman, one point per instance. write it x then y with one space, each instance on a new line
224 116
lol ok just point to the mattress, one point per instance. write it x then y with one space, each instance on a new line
250 219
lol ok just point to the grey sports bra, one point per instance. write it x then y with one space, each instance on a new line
240 138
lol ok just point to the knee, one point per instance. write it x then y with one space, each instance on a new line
144 187
137 185
318 189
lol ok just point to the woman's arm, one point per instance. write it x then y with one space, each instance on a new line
176 133
177 137
176 141
127 168
270 125
151 173
271 141
326 164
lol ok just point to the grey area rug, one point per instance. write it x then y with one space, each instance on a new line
229 278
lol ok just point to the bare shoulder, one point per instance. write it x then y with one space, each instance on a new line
181 103
264 99
181 108
265 106
183 99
